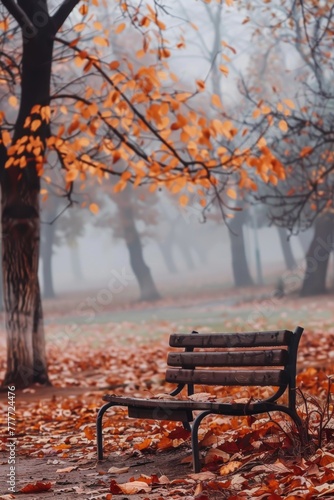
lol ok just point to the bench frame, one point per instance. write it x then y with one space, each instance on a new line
278 348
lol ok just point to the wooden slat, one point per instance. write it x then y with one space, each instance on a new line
159 408
228 377
159 405
245 339
277 357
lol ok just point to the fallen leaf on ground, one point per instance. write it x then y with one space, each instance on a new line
215 454
37 487
135 487
118 470
202 476
67 469
230 467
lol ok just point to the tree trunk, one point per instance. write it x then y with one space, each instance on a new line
26 360
240 269
184 248
201 252
286 248
317 257
75 261
166 250
48 232
148 291
305 239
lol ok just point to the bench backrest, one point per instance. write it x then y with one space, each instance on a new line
260 358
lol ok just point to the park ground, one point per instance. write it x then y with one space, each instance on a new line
122 349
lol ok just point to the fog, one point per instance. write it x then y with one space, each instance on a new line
97 254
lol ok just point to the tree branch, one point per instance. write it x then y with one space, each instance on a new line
18 13
63 12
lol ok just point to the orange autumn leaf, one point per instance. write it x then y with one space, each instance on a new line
183 200
216 101
114 488
6 137
89 433
79 27
71 175
114 65
4 25
265 109
165 443
83 10
143 445
289 103
99 40
231 193
66 469
200 85
283 125
94 208
306 151
225 44
121 27
62 446
13 101
164 52
224 69
230 467
37 487
35 124
133 487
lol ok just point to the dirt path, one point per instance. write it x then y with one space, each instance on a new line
73 479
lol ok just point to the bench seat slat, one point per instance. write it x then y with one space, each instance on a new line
246 339
228 377
160 409
277 357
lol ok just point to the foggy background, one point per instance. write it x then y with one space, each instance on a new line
96 253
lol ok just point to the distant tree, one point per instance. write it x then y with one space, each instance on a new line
289 258
48 230
132 208
317 256
242 276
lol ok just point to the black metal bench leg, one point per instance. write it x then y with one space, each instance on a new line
186 426
194 440
99 442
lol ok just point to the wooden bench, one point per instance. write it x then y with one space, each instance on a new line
225 359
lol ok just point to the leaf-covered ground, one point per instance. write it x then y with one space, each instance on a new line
258 458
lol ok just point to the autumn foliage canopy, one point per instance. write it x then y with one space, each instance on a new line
109 116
